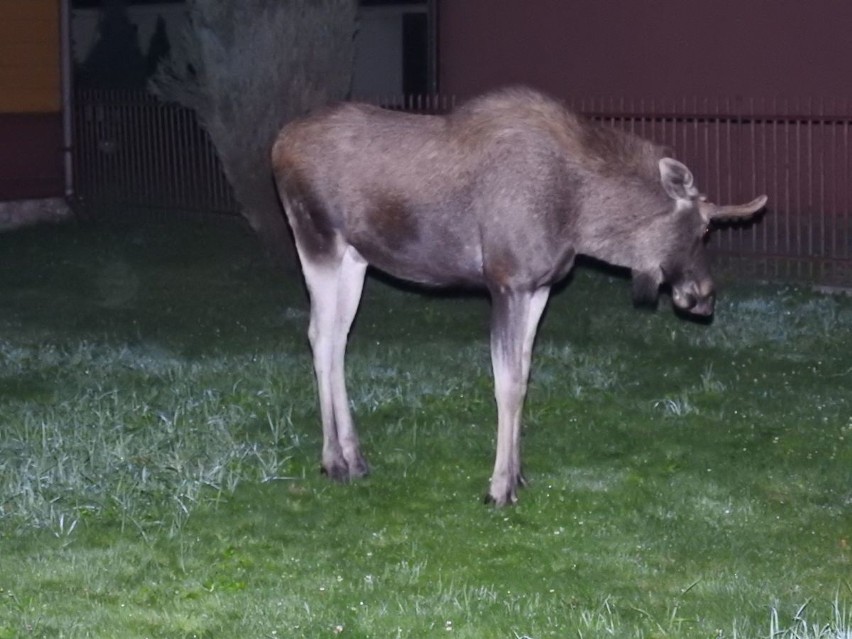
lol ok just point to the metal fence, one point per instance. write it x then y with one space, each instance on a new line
133 151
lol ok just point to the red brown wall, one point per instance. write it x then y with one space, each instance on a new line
648 48
30 100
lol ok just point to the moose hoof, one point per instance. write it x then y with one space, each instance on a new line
358 468
343 472
336 471
508 498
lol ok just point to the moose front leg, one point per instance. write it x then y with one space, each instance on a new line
514 320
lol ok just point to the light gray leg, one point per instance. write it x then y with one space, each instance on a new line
350 284
335 287
515 317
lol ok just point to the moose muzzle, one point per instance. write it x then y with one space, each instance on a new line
696 298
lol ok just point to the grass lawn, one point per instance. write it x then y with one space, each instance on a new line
159 456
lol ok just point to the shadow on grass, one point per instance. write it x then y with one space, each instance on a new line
188 287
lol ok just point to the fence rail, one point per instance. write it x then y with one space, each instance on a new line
132 150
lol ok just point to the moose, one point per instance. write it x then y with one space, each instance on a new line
501 194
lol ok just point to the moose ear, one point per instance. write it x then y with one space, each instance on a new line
677 179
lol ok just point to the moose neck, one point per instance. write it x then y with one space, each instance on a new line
618 219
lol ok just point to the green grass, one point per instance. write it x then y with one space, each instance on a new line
159 454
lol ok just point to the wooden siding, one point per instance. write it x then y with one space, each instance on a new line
648 49
30 56
30 156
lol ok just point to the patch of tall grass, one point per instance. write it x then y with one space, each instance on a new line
174 435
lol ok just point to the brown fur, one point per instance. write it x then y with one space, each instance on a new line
463 185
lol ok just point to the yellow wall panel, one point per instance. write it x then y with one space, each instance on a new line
29 56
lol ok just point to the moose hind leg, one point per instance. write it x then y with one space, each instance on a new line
349 286
335 290
515 317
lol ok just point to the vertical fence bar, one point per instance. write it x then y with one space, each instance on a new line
809 179
727 177
847 190
718 148
800 248
123 150
105 148
112 137
185 156
180 159
820 196
785 204
834 186
171 156
751 186
776 190
141 133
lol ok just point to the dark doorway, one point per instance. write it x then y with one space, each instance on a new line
415 53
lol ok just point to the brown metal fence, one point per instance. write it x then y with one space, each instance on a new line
798 152
133 151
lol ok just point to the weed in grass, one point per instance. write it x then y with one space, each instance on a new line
564 369
839 627
675 406
710 384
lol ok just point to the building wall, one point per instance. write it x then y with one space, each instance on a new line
652 48
30 100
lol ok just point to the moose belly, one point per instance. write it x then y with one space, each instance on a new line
435 260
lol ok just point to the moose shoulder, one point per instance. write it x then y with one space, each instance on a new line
502 193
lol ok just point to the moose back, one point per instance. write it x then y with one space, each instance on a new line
502 194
